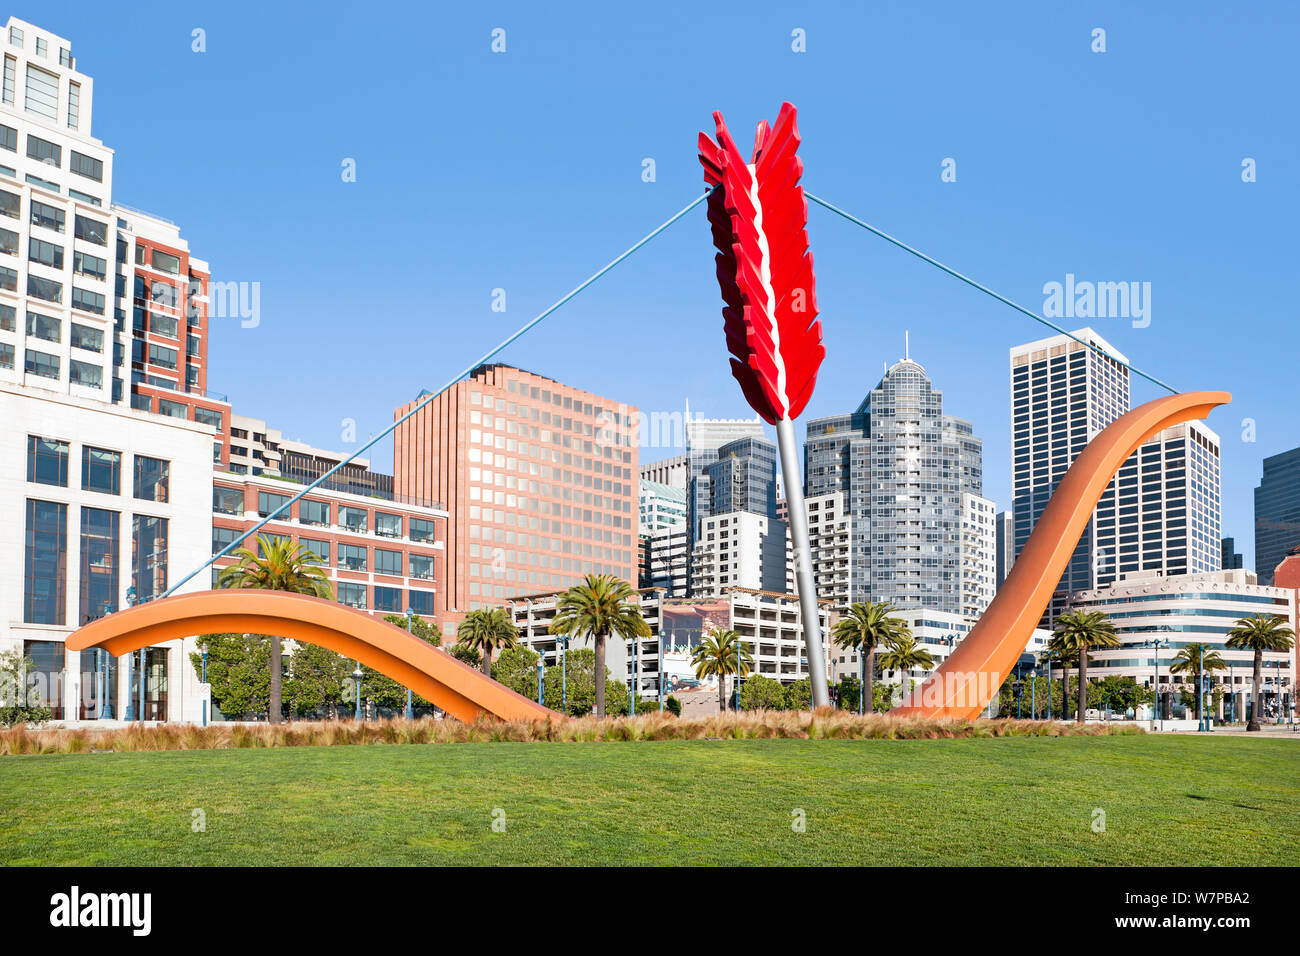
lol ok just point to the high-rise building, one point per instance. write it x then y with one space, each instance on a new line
741 549
1063 393
666 471
1162 511
920 533
668 560
661 506
741 478
1005 542
704 436
1277 512
539 479
1229 557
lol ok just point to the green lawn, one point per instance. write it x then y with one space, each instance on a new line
1167 800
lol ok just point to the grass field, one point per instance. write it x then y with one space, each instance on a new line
1014 801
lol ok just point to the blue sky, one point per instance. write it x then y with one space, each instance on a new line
523 171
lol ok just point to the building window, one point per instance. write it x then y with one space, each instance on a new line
149 556
151 479
46 253
99 551
47 461
422 566
43 151
10 204
165 262
164 325
388 562
65 57
8 279
41 363
74 105
354 519
9 81
44 327
223 538
162 356
85 337
47 216
352 557
173 409
163 293
268 502
208 416
87 301
388 526
422 529
42 48
46 289
227 501
421 602
353 595
388 600
46 675
319 548
6 355
314 513
16 37
101 470
42 94
84 373
83 263
45 568
92 230
8 318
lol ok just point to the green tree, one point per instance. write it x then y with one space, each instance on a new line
20 701
903 654
1194 660
849 692
761 693
382 690
579 679
238 672
1078 633
722 654
673 705
278 565
602 606
1260 633
516 668
798 695
864 628
316 680
1056 652
487 630
466 655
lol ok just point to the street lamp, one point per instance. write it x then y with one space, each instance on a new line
1033 693
1156 642
356 680
541 698
204 649
410 713
660 672
562 642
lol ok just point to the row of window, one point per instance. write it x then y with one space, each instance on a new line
231 501
348 557
101 469
45 562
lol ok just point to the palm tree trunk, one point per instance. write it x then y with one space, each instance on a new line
1257 677
273 715
1083 684
600 675
485 665
868 689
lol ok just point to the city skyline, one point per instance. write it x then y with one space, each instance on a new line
1007 237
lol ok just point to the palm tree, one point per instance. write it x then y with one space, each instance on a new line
902 654
1056 651
1197 659
864 628
1260 633
278 564
719 654
602 605
1078 632
485 630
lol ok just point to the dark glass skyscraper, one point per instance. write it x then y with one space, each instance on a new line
1277 512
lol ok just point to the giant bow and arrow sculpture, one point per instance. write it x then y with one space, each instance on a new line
765 270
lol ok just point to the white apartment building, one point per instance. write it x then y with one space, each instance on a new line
829 535
1190 609
669 560
741 549
977 552
103 506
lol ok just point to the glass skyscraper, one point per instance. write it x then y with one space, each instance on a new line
911 475
704 436
1277 512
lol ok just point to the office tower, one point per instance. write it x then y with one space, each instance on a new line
539 479
1229 558
1003 531
1277 512
667 471
1063 393
741 478
661 506
920 532
1162 510
704 436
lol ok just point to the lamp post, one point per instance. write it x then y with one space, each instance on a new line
660 680
410 712
563 642
204 650
1156 642
1048 660
1033 693
356 680
1017 688
541 663
1232 689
